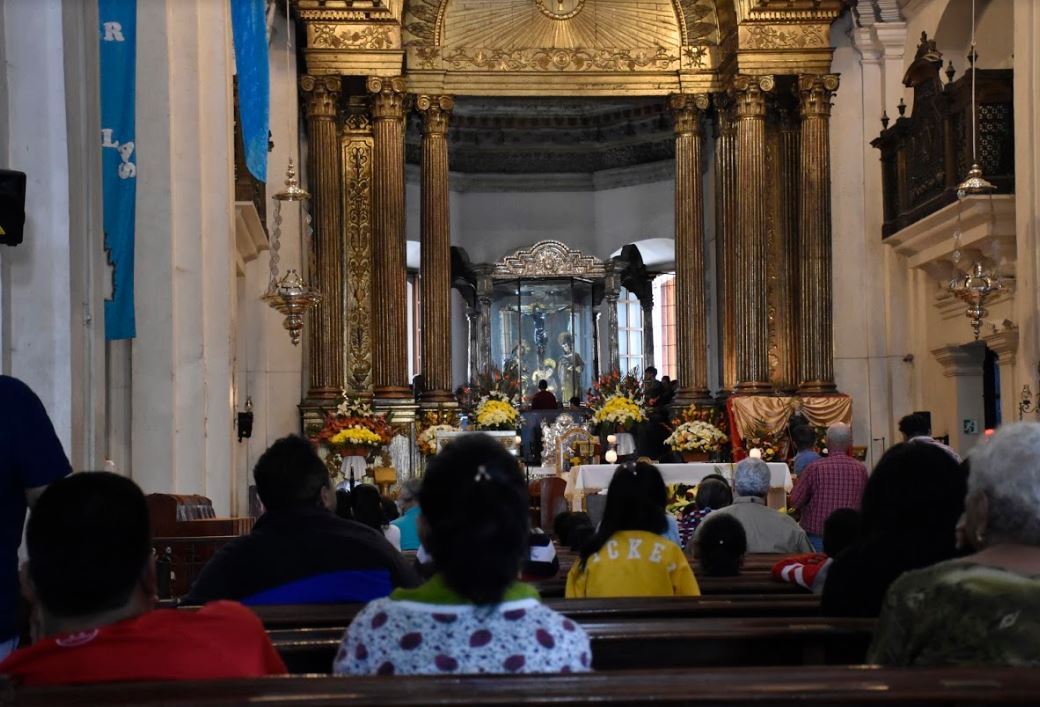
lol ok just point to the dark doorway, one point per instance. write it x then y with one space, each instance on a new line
991 390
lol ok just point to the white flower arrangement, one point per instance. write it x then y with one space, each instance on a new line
696 436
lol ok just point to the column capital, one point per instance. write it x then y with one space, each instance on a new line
321 95
815 92
749 94
686 110
436 112
388 97
960 361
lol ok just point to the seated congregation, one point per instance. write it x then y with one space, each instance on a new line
933 564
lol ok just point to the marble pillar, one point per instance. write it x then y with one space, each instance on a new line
326 333
750 300
389 303
485 291
435 238
612 290
815 328
646 305
691 325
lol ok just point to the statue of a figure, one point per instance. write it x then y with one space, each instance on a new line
520 363
569 367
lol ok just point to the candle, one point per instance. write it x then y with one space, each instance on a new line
610 456
611 439
755 453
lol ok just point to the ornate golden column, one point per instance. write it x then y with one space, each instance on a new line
751 305
389 301
357 221
782 139
326 346
726 234
691 325
815 329
435 265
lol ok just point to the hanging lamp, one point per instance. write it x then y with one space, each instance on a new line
289 295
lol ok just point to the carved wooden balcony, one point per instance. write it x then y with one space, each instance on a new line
925 155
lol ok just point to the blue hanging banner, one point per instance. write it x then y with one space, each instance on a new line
118 158
249 29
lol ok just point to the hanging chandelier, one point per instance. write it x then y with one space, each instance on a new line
976 286
289 295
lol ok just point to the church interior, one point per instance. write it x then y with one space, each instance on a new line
368 222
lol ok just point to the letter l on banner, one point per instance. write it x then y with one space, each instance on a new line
118 36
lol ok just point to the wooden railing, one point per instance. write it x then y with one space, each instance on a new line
925 155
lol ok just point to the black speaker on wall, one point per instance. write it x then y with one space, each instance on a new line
12 206
927 415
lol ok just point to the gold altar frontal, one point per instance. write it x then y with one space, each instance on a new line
753 75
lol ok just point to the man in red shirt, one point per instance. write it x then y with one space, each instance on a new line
543 399
91 581
836 481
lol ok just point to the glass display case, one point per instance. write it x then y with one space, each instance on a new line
542 329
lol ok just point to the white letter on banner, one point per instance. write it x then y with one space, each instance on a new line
113 32
106 138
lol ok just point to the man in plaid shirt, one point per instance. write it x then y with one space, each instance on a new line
834 482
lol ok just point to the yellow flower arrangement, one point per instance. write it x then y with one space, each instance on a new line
619 410
496 413
359 436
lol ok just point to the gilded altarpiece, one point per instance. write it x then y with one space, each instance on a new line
357 218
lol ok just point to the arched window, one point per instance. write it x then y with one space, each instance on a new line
630 333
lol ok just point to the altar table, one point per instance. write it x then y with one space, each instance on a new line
591 478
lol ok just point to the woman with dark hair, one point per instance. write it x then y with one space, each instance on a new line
366 507
908 518
472 616
721 547
627 555
713 493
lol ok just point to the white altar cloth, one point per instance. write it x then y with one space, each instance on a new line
592 478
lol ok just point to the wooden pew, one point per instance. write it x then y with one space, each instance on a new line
658 643
826 686
746 605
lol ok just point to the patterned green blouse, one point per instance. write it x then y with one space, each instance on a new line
959 613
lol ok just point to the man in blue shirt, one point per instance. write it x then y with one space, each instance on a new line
31 457
804 438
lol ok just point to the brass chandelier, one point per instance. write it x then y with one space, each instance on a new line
289 295
976 286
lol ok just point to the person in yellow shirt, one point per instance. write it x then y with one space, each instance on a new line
628 556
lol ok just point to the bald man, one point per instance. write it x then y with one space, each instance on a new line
836 481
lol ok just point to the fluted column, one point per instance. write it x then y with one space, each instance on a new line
785 375
389 301
646 304
691 324
612 290
816 332
435 240
751 304
326 339
726 233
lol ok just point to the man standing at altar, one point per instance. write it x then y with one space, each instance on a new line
836 481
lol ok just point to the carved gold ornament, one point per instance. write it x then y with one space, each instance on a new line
549 259
560 9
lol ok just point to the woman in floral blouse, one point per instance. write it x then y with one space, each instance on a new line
473 616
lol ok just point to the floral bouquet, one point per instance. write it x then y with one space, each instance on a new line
495 411
769 443
614 383
427 438
618 412
352 429
696 436
489 381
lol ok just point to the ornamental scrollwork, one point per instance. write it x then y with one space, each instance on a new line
619 60
331 36
549 259
784 37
